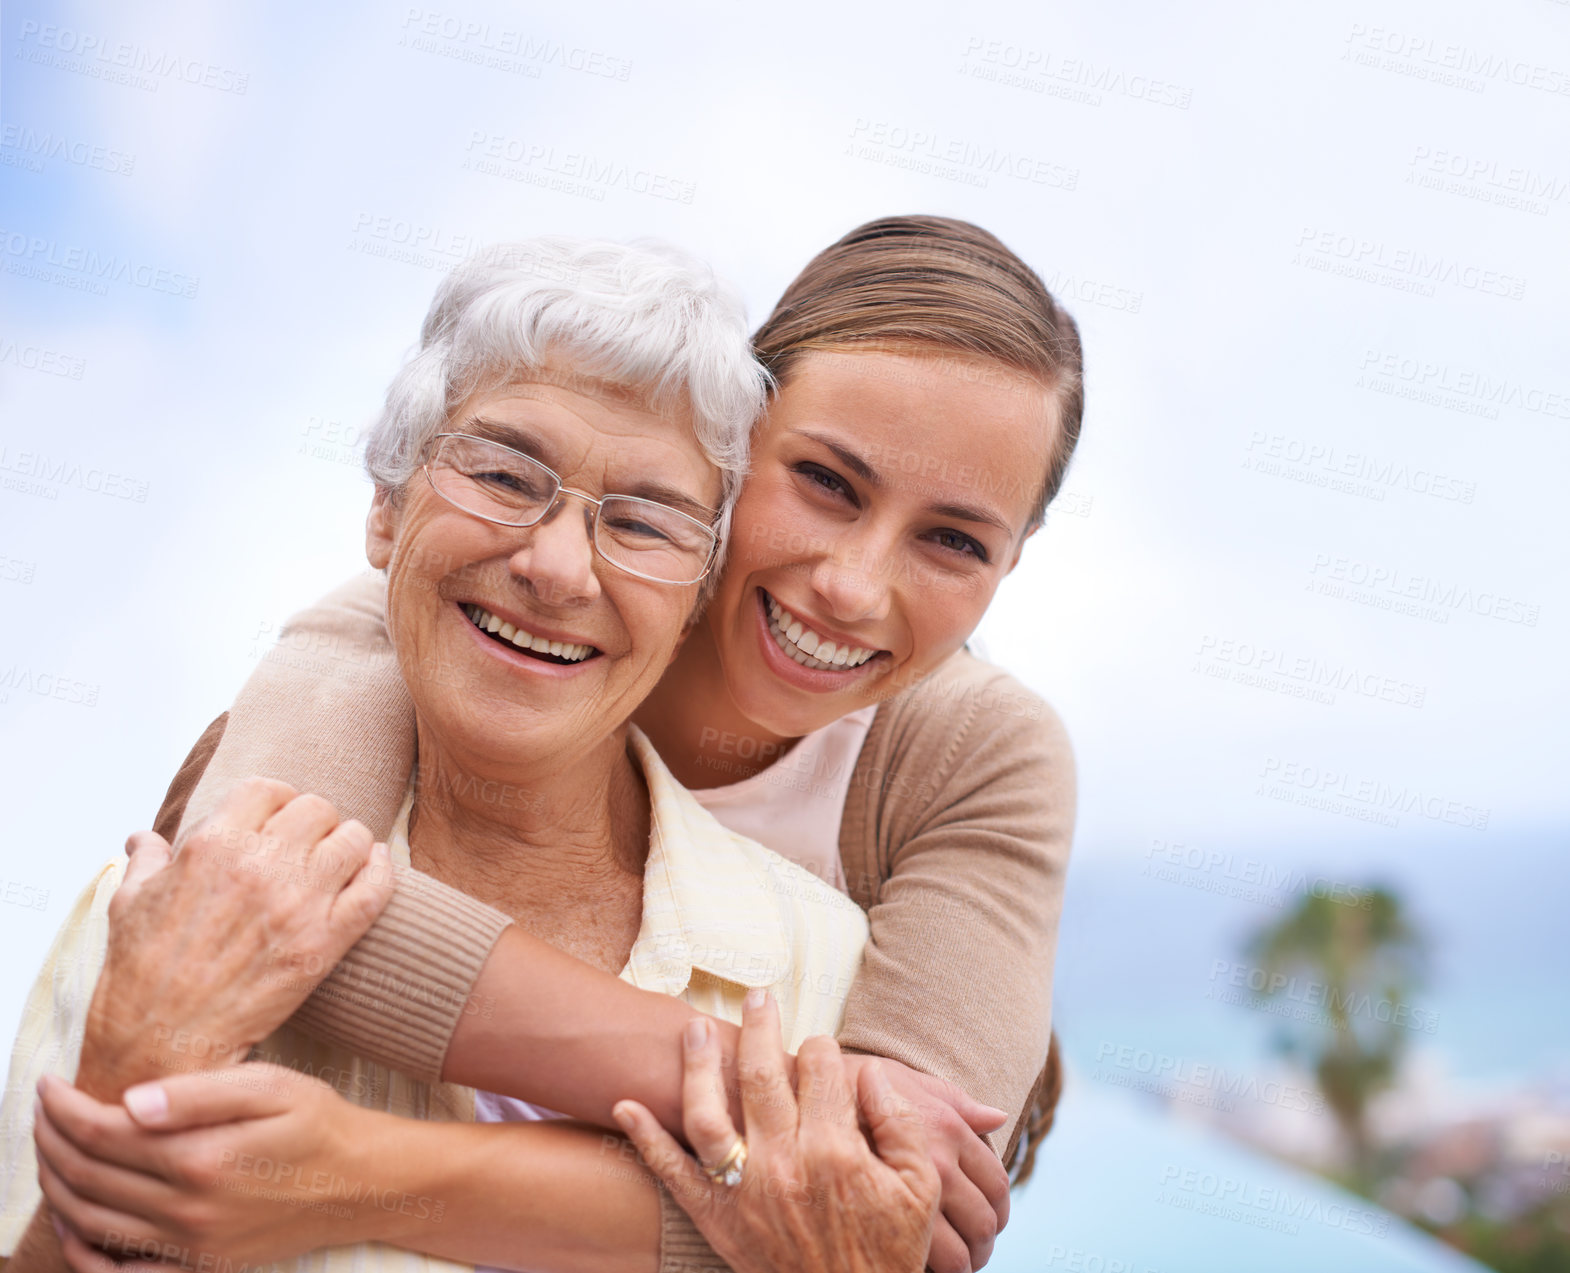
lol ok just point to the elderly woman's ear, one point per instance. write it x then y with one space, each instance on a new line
381 527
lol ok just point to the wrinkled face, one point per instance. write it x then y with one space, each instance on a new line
497 699
889 496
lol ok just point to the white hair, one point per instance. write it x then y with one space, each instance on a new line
644 315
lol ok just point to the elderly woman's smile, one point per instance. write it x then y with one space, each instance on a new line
557 648
544 569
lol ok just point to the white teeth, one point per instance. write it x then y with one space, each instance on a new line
806 646
488 622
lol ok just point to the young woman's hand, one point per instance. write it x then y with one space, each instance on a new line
251 1163
813 1193
975 1184
211 952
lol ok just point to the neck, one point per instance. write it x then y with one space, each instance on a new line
552 840
692 720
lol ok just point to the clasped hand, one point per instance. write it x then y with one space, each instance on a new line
211 952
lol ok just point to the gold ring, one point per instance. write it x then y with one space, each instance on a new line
728 1172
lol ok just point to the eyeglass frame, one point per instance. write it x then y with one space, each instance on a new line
563 489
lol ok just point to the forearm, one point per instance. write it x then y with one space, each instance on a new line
558 1032
118 1055
105 1073
122 1038
553 1197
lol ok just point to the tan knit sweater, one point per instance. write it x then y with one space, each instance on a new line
955 838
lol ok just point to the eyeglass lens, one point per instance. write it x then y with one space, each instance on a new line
506 486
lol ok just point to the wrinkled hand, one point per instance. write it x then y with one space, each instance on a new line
975 1184
209 953
813 1194
252 1163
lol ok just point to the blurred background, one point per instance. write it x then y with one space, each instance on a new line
1299 603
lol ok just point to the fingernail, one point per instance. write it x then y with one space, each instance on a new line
993 1111
697 1032
59 1228
147 1102
623 1117
757 998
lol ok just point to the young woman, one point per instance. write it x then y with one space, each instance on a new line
927 400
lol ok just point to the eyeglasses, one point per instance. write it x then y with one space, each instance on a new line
498 484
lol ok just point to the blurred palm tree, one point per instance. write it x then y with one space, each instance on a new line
1340 976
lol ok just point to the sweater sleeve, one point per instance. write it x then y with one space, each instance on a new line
963 829
327 712
683 1249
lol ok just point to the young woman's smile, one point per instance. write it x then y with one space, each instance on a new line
890 494
807 654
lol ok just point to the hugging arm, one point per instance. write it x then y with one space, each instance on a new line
962 868
257 1163
976 883
543 1025
122 979
187 1174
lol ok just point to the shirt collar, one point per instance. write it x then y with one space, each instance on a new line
707 892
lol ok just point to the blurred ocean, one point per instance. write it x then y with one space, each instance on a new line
1136 953
1127 1190
1135 962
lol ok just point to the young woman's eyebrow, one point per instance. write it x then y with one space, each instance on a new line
847 457
865 471
970 513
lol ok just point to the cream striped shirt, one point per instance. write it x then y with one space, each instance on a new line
721 915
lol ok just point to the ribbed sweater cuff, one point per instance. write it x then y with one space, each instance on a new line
399 992
682 1248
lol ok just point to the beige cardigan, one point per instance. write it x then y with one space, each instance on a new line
955 839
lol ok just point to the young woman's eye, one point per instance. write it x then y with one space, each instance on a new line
959 543
827 479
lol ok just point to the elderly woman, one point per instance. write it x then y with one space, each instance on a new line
554 470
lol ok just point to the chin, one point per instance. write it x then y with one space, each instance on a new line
780 711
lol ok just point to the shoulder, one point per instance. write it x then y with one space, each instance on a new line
824 935
972 723
822 931
355 607
801 896
65 983
49 1040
